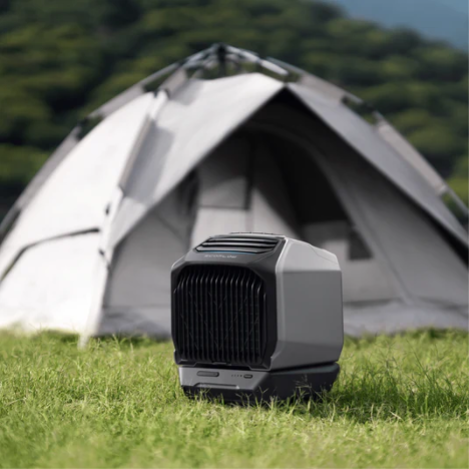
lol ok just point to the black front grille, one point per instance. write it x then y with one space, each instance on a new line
239 243
219 316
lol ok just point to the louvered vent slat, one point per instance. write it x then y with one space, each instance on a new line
220 316
238 243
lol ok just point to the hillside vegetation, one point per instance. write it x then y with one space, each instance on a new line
60 60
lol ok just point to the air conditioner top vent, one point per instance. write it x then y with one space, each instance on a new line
239 243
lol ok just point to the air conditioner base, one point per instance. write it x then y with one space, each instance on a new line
231 385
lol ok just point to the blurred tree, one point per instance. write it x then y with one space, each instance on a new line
398 68
18 165
413 119
45 73
436 142
462 168
441 64
458 180
388 97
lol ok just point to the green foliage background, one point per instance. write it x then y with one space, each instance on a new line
59 60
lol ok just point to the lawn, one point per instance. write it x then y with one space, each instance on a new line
399 402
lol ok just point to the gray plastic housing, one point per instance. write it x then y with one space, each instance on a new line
310 324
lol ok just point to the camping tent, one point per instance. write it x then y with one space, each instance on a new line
226 141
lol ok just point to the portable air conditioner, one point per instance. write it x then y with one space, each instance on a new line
256 315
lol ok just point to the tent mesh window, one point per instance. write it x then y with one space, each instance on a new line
220 316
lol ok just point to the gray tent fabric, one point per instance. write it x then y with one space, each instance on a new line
202 155
241 188
180 130
367 141
132 307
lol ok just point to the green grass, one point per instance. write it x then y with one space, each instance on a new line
399 402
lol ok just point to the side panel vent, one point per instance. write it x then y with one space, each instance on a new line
220 316
239 244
